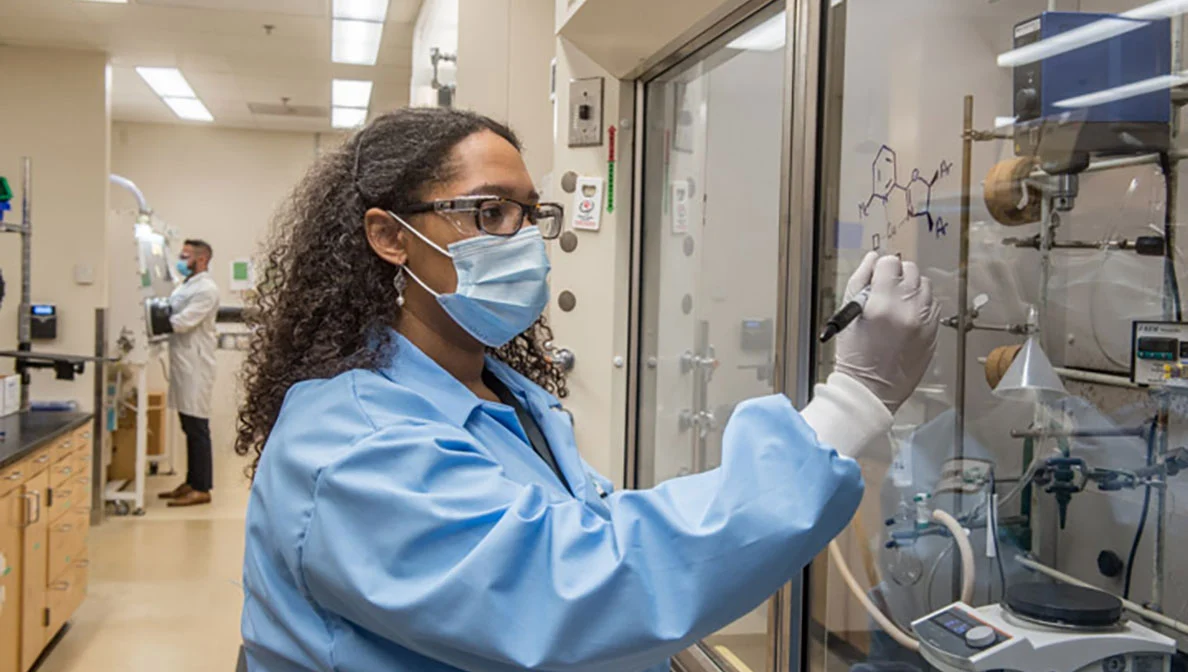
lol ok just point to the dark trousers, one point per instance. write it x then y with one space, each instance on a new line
200 475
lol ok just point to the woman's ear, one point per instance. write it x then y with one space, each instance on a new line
386 236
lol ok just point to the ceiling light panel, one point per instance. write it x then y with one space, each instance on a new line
190 109
361 10
351 93
356 42
166 82
347 117
110 2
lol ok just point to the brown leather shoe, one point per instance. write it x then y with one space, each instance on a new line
192 498
180 491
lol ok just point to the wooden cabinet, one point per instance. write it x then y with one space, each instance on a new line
45 507
34 568
12 519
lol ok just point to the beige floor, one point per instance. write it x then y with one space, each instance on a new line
164 591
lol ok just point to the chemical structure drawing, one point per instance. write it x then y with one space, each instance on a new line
899 204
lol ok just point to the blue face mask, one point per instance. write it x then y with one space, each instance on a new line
502 283
183 267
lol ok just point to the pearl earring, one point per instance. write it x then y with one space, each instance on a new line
399 282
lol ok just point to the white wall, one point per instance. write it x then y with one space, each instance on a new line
437 26
55 110
504 51
221 185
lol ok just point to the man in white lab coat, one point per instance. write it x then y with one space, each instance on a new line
193 306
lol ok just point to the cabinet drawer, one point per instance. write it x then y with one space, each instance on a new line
82 461
82 438
63 471
75 493
68 540
65 593
64 447
15 475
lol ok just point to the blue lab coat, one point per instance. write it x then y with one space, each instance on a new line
398 523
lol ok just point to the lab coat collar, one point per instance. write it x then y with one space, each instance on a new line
413 369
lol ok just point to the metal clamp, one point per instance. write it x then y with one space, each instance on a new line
704 421
691 362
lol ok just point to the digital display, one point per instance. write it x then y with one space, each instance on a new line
1158 348
955 625
43 311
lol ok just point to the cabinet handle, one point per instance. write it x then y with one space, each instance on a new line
87 434
84 481
83 564
43 459
30 512
65 470
14 476
65 528
62 586
64 493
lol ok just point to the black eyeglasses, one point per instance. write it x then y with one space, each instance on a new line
498 216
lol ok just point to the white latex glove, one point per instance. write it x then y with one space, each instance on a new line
888 348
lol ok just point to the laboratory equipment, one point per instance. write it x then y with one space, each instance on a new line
43 321
1042 628
1159 354
1059 103
1031 377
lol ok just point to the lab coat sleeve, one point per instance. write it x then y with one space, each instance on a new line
846 415
417 536
197 309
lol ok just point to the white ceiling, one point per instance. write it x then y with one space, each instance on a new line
223 50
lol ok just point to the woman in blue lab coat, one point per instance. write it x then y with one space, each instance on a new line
419 502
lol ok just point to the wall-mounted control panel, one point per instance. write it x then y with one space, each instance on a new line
585 112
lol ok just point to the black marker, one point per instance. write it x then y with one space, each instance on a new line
842 318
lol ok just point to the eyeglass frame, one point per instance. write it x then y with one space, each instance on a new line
471 204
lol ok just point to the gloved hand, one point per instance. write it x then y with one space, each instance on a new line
889 347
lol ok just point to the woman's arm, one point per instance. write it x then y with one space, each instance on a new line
418 537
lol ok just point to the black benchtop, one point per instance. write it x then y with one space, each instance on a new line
28 431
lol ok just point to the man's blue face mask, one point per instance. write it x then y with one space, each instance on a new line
502 283
183 267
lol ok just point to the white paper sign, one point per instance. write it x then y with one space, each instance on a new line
587 204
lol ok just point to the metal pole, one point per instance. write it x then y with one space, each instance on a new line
24 324
99 423
963 278
963 317
1050 221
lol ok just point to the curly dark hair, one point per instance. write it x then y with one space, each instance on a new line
325 300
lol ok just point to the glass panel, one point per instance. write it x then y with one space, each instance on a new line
710 264
1074 109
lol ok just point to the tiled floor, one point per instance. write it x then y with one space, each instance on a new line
164 589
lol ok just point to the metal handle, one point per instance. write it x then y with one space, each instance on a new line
87 434
64 493
62 586
84 481
562 357
83 564
14 476
67 444
42 460
65 528
65 470
30 518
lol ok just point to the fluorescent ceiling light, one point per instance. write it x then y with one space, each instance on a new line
347 117
362 10
166 82
351 93
1092 33
356 42
190 109
767 36
1125 91
111 2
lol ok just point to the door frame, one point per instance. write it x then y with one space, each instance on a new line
798 260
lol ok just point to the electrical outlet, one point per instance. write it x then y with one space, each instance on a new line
585 112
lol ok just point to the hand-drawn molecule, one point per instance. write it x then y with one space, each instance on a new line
899 204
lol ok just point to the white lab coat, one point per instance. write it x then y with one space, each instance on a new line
192 346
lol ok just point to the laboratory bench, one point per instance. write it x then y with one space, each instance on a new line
45 515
